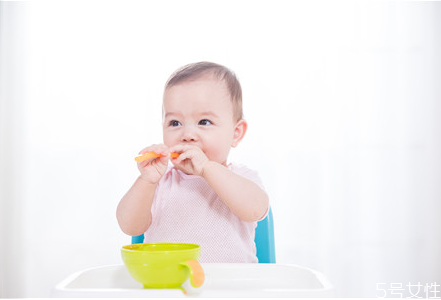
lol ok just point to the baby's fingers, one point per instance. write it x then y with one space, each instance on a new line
180 158
188 154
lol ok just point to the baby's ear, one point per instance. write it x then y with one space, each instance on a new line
239 132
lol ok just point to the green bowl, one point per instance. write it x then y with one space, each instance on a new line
164 265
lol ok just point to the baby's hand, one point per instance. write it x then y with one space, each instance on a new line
191 160
153 169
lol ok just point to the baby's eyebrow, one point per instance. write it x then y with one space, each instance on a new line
208 113
172 114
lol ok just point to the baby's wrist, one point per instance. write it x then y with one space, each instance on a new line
147 181
206 168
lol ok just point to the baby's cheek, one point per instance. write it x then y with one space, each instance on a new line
218 154
169 140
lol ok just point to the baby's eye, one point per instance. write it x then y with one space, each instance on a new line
205 122
174 123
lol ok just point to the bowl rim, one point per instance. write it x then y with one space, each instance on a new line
194 247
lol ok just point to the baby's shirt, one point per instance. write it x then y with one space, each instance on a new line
186 209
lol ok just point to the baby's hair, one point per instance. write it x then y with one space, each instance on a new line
197 70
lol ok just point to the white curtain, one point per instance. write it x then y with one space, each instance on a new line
12 147
342 100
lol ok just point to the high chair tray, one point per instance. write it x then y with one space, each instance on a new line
221 280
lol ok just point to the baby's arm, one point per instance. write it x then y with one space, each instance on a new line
134 210
244 197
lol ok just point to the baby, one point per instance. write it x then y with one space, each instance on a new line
198 198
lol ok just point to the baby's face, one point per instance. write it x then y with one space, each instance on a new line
200 113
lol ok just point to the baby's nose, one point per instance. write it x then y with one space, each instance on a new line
189 135
188 139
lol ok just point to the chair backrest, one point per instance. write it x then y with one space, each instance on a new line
264 239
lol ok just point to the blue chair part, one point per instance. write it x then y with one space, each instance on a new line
264 239
139 239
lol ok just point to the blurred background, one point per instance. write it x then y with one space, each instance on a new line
343 101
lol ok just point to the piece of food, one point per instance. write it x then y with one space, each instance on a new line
151 154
